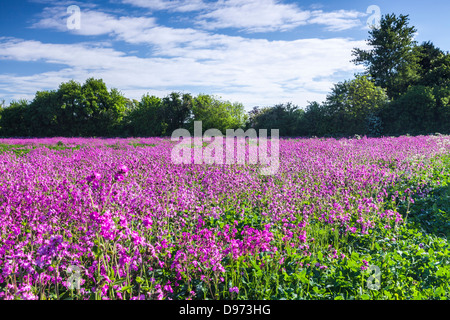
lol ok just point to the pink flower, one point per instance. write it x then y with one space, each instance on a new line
147 222
234 289
123 169
122 172
119 177
95 176
168 288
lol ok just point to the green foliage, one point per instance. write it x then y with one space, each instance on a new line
285 117
141 144
72 110
103 110
214 113
21 150
72 115
420 110
313 122
146 118
351 106
13 119
391 61
434 65
176 110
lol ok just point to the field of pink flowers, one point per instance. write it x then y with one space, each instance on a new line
136 226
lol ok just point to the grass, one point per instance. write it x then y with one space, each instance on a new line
20 150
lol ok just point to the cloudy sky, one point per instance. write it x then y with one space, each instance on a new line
258 52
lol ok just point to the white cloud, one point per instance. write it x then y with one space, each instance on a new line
94 22
338 20
253 15
253 71
172 5
272 15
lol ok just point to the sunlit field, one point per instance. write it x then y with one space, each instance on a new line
97 218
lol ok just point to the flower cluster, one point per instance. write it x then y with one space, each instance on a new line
140 226
121 173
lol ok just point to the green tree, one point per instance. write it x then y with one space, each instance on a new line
412 113
428 56
441 114
285 117
102 110
435 66
392 61
71 114
314 121
13 122
42 114
353 106
146 118
177 111
218 114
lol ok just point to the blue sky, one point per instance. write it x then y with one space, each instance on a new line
258 52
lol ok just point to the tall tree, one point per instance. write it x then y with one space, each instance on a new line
412 113
434 65
42 114
103 110
314 120
391 61
71 113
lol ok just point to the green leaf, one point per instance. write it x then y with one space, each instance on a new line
365 296
258 269
320 256
126 288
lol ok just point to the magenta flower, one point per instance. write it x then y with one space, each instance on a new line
95 176
169 218
121 173
123 169
234 289
119 177
168 288
147 222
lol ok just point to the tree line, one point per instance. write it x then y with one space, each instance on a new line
90 109
405 89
